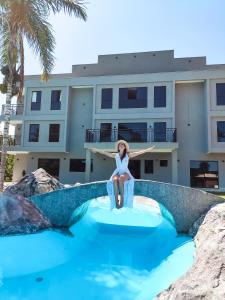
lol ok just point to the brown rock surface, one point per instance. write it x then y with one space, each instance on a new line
18 215
206 278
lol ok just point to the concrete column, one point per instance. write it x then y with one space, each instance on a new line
174 167
208 119
173 104
88 165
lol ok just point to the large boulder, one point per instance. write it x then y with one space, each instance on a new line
206 278
37 182
18 215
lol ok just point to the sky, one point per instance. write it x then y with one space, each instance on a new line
189 27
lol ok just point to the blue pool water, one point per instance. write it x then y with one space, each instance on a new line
119 254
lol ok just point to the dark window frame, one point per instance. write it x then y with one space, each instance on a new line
160 133
82 162
160 96
105 133
34 136
55 105
131 133
36 105
163 163
49 164
220 94
127 101
132 93
107 98
135 167
149 166
198 178
220 133
53 136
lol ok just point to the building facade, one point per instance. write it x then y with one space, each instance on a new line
150 98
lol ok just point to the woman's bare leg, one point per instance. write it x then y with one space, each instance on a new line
122 179
115 185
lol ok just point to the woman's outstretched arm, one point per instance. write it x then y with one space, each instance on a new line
108 154
136 153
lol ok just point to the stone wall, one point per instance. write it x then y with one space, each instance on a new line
184 203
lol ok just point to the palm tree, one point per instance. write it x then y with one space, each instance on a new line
20 20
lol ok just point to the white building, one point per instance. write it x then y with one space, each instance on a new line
152 98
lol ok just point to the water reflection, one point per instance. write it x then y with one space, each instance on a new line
119 254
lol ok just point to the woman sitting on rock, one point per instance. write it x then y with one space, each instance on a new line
121 174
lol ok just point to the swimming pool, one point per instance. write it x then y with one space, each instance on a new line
120 254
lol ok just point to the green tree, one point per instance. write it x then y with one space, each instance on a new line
9 167
27 20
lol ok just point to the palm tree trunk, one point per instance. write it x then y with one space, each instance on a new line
21 50
5 135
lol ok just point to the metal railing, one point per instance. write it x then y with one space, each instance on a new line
13 140
15 109
131 135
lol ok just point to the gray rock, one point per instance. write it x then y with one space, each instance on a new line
19 215
34 183
195 227
206 278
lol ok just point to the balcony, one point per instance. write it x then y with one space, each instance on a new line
15 109
150 135
14 140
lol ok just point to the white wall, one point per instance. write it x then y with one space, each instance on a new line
191 109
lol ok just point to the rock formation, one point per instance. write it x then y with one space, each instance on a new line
206 278
37 182
18 215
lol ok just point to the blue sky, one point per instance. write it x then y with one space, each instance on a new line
189 27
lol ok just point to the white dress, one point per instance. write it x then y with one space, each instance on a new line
121 168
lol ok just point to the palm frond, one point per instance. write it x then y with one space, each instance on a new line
72 7
8 45
38 33
4 4
28 19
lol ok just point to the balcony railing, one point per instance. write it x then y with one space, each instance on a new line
13 140
131 135
15 109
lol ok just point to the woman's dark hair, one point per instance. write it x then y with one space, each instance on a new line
124 152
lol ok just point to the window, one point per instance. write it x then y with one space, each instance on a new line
50 165
132 132
220 93
135 168
221 131
34 133
36 100
163 163
204 174
132 94
54 130
160 131
148 166
160 96
56 100
107 95
78 165
133 97
105 132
